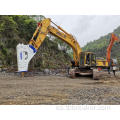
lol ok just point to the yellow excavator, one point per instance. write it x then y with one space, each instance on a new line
84 63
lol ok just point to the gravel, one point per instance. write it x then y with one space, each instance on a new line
57 90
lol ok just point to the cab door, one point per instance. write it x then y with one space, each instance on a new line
82 59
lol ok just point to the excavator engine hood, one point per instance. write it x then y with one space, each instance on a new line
24 54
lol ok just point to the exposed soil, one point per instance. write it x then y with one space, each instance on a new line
49 89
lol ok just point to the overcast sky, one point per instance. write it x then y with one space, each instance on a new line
86 27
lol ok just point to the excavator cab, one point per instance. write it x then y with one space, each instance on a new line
87 59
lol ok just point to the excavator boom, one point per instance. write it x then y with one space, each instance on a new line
112 40
26 52
101 62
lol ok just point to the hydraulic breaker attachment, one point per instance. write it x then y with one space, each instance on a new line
24 54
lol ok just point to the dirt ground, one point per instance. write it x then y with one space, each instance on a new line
56 90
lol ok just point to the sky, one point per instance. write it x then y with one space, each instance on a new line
86 28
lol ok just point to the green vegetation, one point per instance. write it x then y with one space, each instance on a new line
16 29
100 46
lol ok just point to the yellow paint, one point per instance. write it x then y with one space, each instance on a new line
102 63
46 28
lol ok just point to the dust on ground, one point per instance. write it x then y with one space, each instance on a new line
53 89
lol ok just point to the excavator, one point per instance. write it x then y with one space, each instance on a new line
105 62
102 63
83 63
113 39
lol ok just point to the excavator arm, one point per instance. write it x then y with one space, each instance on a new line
26 52
112 40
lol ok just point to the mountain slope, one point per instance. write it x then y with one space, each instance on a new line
100 46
